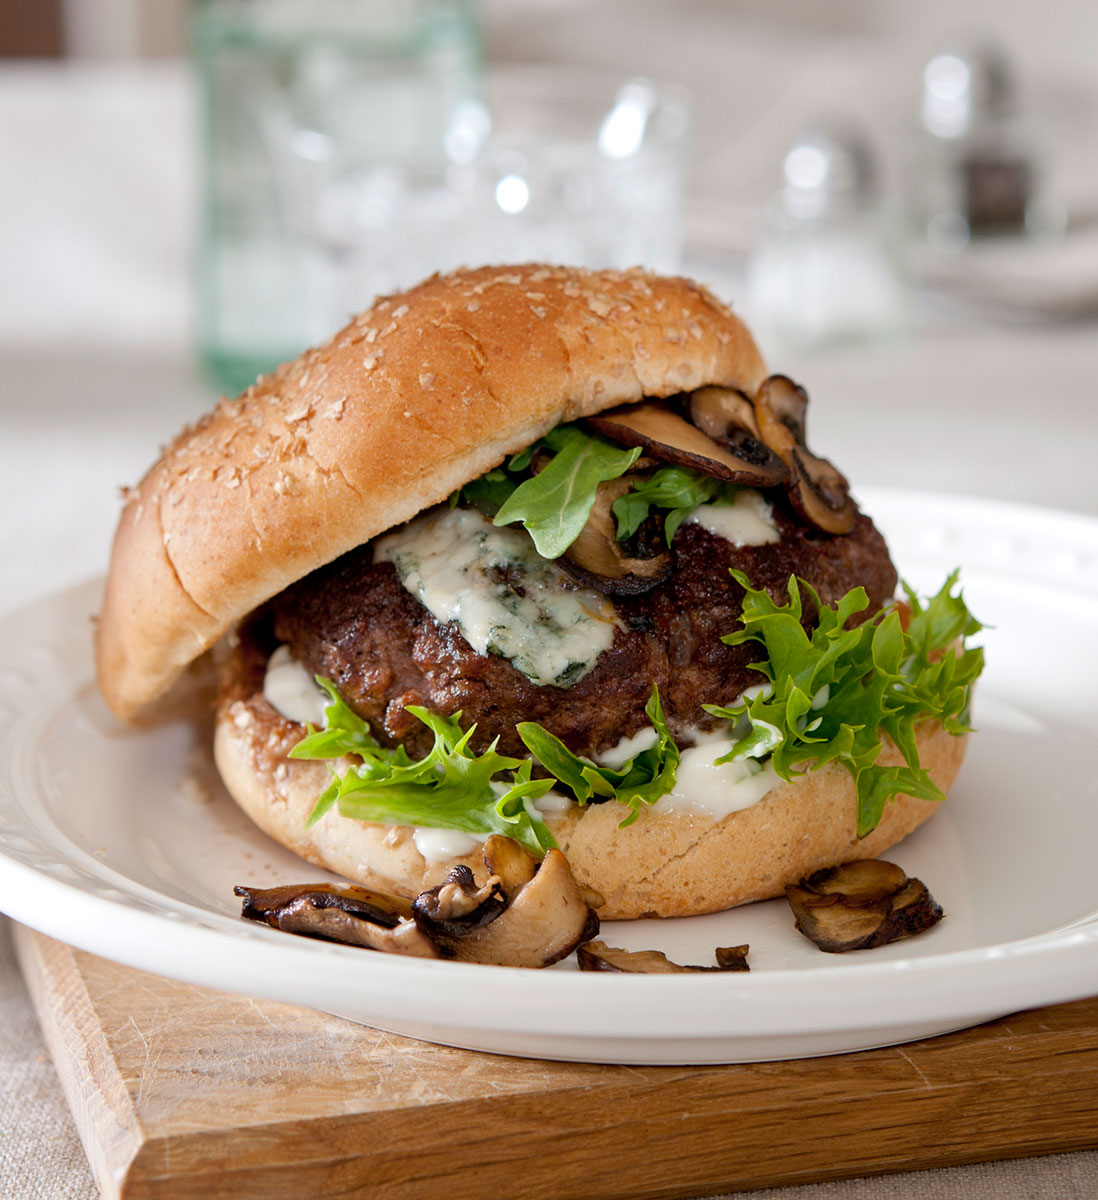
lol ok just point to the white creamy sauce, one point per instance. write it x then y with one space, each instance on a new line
437 845
747 521
627 748
702 787
501 594
291 691
551 802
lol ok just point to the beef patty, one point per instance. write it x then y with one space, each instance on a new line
354 622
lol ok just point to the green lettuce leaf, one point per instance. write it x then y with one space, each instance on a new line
678 490
449 788
833 690
554 504
642 780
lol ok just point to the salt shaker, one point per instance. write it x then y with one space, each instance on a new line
824 267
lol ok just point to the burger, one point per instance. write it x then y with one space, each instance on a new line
541 552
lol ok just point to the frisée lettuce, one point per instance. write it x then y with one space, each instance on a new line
833 691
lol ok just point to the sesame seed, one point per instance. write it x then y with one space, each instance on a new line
400 311
599 307
369 362
472 306
426 379
538 311
371 335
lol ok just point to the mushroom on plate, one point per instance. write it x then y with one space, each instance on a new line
344 913
525 914
598 956
860 905
544 919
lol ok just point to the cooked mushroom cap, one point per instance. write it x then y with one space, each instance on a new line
303 916
544 921
346 913
817 489
732 958
523 915
728 417
379 907
671 439
510 862
860 905
452 910
602 560
864 881
598 956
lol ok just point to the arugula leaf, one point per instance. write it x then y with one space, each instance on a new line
677 489
487 493
834 690
449 788
554 504
642 780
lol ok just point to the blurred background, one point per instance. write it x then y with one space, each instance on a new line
901 199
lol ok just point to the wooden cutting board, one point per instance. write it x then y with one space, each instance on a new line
181 1091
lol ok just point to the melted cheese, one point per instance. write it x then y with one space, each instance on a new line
747 521
501 594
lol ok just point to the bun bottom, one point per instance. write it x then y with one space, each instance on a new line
663 865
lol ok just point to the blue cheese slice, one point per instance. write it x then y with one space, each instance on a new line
501 594
745 520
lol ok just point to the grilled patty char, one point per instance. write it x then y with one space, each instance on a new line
354 622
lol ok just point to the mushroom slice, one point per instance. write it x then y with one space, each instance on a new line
860 905
598 956
817 489
262 904
348 914
510 862
544 921
728 417
456 907
864 881
599 559
732 958
672 439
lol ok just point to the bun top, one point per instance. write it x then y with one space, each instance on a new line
417 396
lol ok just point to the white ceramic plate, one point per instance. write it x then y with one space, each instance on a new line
122 842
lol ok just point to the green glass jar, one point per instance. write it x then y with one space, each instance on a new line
388 72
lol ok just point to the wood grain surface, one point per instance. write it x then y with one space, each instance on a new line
180 1091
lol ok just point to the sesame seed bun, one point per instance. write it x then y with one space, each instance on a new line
419 395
